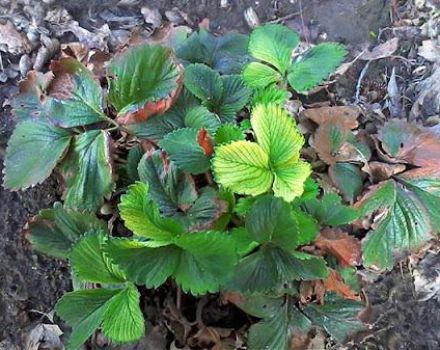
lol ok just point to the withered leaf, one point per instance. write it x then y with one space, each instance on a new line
346 248
334 283
379 171
205 141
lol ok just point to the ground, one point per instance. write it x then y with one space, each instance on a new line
30 283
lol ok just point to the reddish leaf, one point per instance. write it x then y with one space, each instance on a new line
205 141
334 283
346 248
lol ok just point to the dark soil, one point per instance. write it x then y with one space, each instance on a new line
31 283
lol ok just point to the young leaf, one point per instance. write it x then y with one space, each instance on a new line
34 149
228 133
144 80
123 320
141 215
84 310
87 171
273 44
183 149
226 54
315 66
268 95
54 231
75 95
330 211
258 75
89 262
337 316
242 167
204 82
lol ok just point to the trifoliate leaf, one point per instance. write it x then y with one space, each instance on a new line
347 178
171 189
242 167
142 263
235 96
315 66
200 262
183 149
204 82
76 97
141 215
144 80
405 222
330 211
258 75
226 54
271 220
276 330
270 267
89 262
123 319
87 171
228 133
34 149
337 316
84 310
273 44
200 117
54 231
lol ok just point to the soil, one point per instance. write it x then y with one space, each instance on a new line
31 284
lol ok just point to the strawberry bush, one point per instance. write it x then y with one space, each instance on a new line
182 167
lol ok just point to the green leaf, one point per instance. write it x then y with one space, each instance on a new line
243 241
200 117
315 66
235 96
141 215
200 262
271 220
87 171
276 133
242 167
309 227
142 263
54 231
134 156
183 149
206 261
84 310
169 188
34 149
270 267
270 94
204 82
228 133
226 54
141 78
330 210
275 331
337 316
123 320
89 262
348 179
258 75
75 95
290 178
273 44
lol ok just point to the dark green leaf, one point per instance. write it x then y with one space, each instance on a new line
228 133
348 179
54 231
200 117
87 171
204 82
234 97
34 149
133 158
183 149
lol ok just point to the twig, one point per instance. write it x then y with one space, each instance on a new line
284 18
359 82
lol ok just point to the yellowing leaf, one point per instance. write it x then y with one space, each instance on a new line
290 178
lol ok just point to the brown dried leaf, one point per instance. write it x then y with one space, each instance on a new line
346 248
334 283
383 50
205 141
379 171
13 41
345 116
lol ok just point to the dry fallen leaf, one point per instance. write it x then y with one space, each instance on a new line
383 50
334 283
13 41
379 171
346 248
344 115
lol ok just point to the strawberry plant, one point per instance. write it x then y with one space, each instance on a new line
182 167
